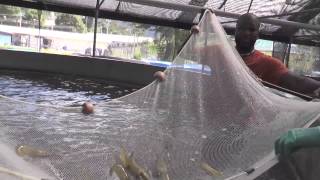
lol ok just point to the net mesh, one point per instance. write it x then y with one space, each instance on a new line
210 109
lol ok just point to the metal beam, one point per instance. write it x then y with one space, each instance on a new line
88 11
222 4
313 10
167 5
278 37
305 17
39 29
186 16
102 1
288 55
317 10
302 96
250 6
95 28
191 8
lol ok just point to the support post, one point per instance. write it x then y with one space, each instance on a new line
95 28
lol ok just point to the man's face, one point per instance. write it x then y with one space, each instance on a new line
247 32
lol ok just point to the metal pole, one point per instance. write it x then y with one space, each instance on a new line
222 4
100 4
95 29
250 6
39 28
288 55
191 8
303 96
166 5
280 15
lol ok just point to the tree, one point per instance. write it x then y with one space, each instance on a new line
89 22
9 10
115 27
71 20
30 14
169 40
26 14
33 14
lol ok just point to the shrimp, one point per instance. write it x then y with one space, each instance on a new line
120 171
210 170
162 170
133 167
24 150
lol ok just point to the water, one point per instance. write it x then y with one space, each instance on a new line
66 133
74 140
81 146
62 90
86 146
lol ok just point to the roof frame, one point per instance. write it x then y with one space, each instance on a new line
302 17
222 4
86 11
166 5
277 37
274 36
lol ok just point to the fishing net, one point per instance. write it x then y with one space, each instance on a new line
210 117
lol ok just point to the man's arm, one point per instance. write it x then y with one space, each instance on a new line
300 84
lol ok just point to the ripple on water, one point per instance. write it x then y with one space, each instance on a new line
59 90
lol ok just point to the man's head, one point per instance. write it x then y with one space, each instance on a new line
247 32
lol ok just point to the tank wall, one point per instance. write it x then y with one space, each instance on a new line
122 71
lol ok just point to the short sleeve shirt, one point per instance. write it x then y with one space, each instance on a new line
267 68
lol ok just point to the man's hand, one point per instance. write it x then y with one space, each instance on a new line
296 139
195 29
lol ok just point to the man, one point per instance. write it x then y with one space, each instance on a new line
273 71
266 67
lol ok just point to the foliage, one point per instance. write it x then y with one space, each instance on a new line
166 45
70 20
137 55
169 40
89 22
304 59
123 28
152 49
30 14
27 14
9 10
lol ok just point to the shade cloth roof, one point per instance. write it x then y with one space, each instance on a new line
305 11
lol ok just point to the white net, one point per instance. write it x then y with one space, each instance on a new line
209 113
